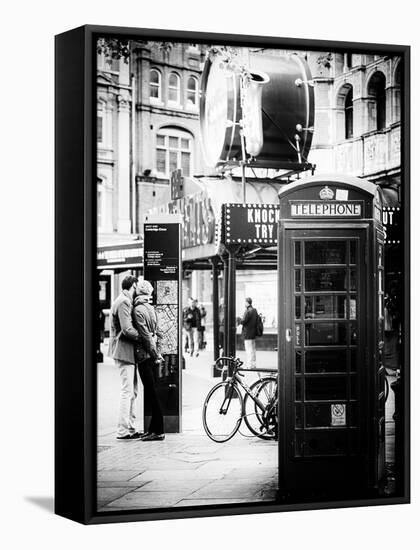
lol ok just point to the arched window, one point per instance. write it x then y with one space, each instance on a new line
344 112
396 94
174 88
100 123
99 207
377 96
155 85
103 121
348 114
174 149
192 92
348 60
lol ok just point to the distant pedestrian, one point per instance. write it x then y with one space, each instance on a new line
249 332
122 338
191 319
148 357
202 328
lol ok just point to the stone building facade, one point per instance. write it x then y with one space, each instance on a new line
357 116
148 125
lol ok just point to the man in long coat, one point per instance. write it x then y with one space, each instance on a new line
123 337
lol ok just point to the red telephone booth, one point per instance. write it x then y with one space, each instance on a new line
331 323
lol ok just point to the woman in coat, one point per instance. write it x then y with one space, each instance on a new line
148 357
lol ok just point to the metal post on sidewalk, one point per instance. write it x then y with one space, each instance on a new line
231 314
225 304
215 274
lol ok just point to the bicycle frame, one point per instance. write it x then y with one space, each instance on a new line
245 387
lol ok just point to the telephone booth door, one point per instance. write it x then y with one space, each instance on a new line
325 316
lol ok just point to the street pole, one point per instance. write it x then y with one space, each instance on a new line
225 305
215 273
243 182
232 302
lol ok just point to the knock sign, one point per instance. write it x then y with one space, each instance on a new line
250 223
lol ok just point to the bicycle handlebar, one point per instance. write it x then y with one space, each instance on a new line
223 362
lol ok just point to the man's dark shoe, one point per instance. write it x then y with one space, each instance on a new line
153 437
129 437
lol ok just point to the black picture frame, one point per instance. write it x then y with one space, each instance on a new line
75 273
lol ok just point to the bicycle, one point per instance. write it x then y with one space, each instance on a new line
225 407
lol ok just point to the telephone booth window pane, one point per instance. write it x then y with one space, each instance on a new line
325 361
354 441
298 361
325 443
353 334
318 415
325 279
298 253
353 280
352 252
326 334
298 280
298 395
325 388
353 387
298 416
353 307
298 444
325 252
353 360
298 332
327 307
353 415
298 312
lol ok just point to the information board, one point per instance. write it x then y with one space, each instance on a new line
162 258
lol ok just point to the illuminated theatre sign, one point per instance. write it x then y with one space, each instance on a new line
250 223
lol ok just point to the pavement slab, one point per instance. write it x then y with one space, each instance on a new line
131 484
117 475
134 500
170 485
109 494
210 501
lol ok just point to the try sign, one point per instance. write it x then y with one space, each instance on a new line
250 223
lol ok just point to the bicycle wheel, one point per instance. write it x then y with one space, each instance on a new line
262 423
222 412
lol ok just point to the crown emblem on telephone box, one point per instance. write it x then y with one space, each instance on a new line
326 194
